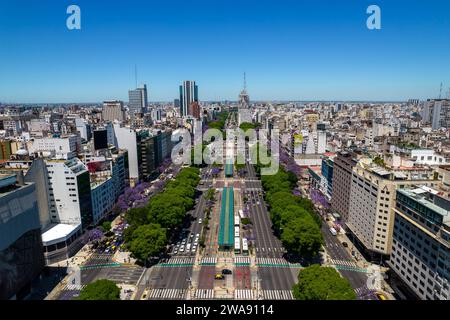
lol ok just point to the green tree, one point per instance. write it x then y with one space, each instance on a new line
246 221
106 226
100 290
302 236
322 283
147 241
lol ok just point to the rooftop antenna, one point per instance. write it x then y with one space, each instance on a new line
245 82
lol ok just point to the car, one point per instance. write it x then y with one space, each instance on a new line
381 296
219 276
197 235
227 271
333 231
200 220
188 247
194 248
345 244
183 242
175 251
182 248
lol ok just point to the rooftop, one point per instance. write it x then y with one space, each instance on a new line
59 232
420 195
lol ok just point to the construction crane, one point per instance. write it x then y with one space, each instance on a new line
440 92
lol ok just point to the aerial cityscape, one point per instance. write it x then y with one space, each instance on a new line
241 164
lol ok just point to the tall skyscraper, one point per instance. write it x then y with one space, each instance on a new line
137 100
188 94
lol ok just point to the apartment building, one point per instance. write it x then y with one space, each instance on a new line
372 196
421 242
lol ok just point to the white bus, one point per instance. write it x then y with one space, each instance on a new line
241 213
236 221
237 245
236 232
244 245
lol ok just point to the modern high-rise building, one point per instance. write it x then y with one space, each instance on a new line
188 94
440 113
113 110
21 250
138 100
421 243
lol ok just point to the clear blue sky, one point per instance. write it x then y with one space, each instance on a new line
291 50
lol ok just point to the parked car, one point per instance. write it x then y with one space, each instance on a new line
227 271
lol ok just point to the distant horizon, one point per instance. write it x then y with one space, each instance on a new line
3 104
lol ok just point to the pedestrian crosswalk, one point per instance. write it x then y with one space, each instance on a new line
337 262
363 291
204 294
73 287
166 294
271 261
244 295
208 261
277 295
239 260
180 261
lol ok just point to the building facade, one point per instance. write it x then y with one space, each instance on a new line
421 243
21 249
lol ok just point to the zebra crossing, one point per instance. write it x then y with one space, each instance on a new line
244 295
164 294
181 261
271 261
204 294
208 261
277 295
337 262
364 291
241 260
73 287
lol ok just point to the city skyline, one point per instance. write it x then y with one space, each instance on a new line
296 52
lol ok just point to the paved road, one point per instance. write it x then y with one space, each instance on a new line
266 244
177 272
340 256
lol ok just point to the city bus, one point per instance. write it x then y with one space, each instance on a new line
236 221
236 232
237 245
244 246
241 213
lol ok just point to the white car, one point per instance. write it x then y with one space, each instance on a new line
200 221
182 248
194 248
188 247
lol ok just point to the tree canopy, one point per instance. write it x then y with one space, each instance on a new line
146 235
147 241
322 283
100 290
292 216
